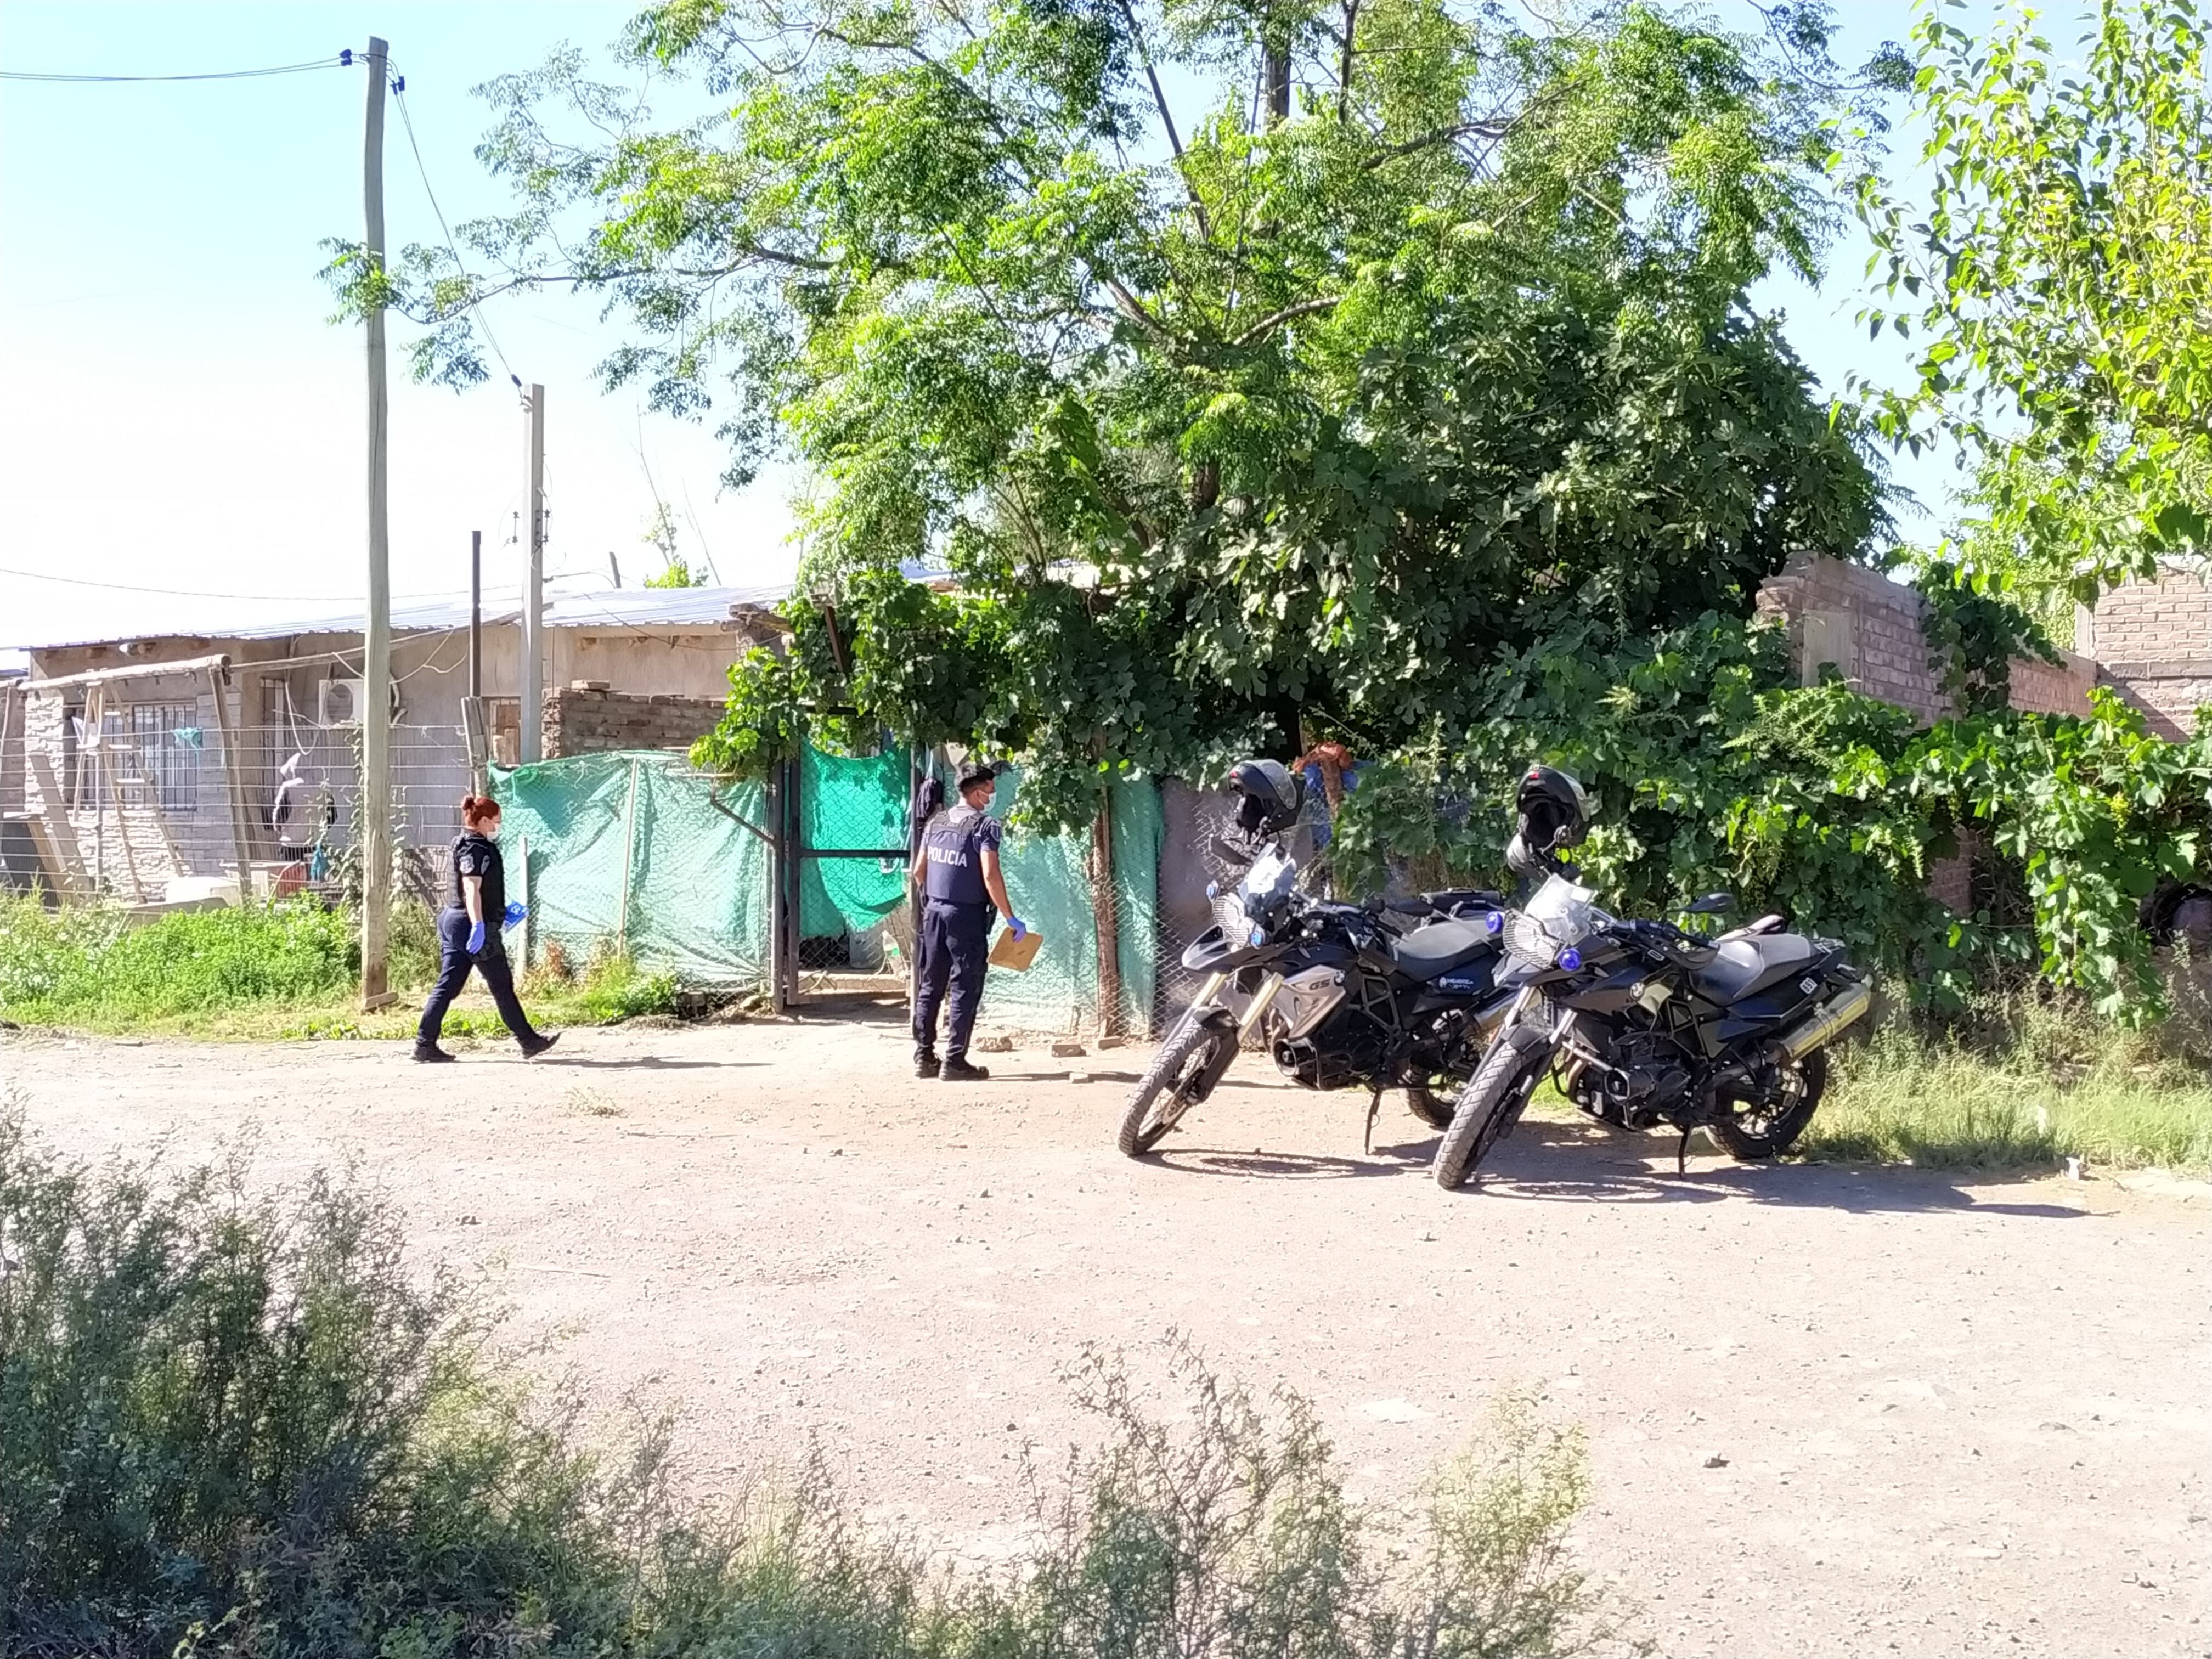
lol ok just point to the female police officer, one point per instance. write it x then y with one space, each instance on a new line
477 890
958 863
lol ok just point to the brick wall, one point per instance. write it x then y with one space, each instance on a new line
2153 639
1869 627
590 719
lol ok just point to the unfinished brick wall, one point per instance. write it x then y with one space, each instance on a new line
1869 627
590 719
2153 639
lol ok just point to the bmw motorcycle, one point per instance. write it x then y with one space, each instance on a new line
1385 995
1643 1023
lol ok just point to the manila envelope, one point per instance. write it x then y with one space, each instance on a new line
1016 953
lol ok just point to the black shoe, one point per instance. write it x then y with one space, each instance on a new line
957 1070
925 1064
430 1053
532 1050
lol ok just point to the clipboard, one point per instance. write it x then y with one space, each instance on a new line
1016 953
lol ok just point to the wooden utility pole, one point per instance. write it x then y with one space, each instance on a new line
533 594
373 811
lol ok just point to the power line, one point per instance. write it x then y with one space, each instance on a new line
202 593
475 307
343 60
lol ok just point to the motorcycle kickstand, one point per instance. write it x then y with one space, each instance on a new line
1374 1105
1682 1152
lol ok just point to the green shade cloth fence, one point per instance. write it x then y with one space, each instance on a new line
630 849
635 850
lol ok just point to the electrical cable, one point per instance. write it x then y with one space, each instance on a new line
200 594
475 306
343 60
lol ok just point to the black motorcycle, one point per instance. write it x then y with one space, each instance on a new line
1396 993
1643 1023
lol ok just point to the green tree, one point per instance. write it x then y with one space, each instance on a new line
2060 272
1410 333
662 536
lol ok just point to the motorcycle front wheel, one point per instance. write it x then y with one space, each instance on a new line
1755 1130
1488 1107
1158 1103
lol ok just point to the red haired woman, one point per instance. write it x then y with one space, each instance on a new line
477 890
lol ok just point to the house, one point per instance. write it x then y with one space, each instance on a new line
117 762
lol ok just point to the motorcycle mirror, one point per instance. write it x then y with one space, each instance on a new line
1711 904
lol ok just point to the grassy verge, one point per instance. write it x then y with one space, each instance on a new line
1942 1103
265 971
237 1425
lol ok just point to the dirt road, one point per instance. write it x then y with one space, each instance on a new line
1956 1418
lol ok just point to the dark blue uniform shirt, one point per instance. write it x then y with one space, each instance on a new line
952 854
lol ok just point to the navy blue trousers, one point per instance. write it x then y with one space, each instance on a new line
453 964
955 941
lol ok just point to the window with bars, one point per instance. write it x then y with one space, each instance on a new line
162 762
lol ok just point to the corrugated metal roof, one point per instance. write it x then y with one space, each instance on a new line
613 607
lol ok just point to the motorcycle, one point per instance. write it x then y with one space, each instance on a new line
1645 1023
1389 993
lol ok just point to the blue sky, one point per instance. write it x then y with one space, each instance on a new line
179 413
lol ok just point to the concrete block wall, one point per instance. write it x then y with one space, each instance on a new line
590 719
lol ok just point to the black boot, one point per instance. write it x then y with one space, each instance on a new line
956 1069
538 1046
431 1054
925 1062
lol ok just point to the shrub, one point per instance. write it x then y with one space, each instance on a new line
239 1426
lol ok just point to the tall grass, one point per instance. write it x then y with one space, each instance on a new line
82 964
233 1426
2024 1080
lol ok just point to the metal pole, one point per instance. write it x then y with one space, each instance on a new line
373 830
533 596
472 719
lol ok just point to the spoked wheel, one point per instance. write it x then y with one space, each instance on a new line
1162 1095
1764 1123
1431 1107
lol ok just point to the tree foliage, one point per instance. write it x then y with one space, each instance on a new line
2059 272
1254 368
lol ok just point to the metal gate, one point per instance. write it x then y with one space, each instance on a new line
830 818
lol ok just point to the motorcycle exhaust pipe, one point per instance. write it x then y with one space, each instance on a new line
1827 1022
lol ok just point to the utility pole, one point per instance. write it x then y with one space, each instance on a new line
533 594
373 811
472 711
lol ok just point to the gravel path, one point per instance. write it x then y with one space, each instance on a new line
1830 1410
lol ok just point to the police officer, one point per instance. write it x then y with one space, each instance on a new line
958 865
468 934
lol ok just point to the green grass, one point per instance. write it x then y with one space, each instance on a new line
2028 1085
236 1424
283 970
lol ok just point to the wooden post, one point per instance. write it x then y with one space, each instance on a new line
115 798
234 781
630 849
529 905
1105 917
53 820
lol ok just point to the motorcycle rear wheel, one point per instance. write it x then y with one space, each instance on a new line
1761 1130
1488 1107
1432 1108
1156 1103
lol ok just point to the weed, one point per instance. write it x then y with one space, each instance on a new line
590 1102
2023 1081
235 1425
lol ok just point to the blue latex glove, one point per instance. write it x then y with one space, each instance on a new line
513 913
476 939
1014 926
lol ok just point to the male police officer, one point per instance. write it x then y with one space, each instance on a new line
957 863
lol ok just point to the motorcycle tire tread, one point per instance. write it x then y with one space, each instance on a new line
1488 1107
1174 1055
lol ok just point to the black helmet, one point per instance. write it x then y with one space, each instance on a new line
1273 795
1554 812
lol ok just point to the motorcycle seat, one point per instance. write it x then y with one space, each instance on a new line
1440 947
1742 966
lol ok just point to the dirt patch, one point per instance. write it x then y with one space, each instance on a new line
1831 1410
